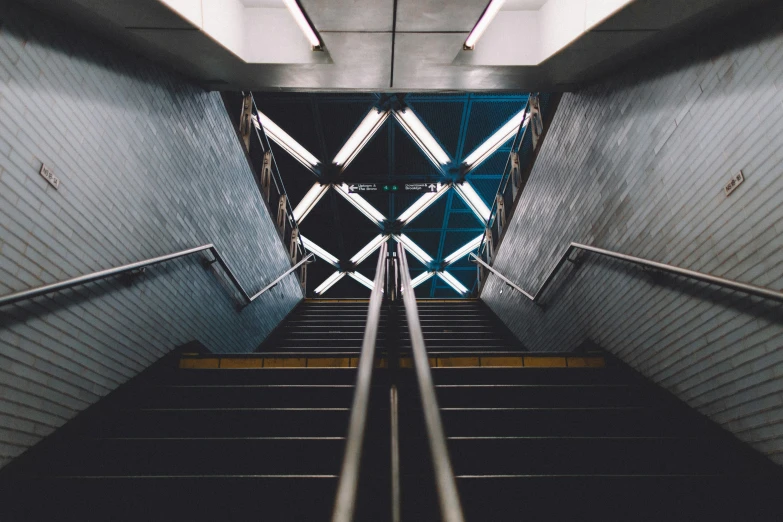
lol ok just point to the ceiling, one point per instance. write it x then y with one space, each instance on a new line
393 45
322 123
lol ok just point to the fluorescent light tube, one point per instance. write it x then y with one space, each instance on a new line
304 25
320 252
494 142
486 18
330 282
422 204
290 145
423 138
309 201
368 249
362 279
360 137
464 250
361 204
426 276
453 283
414 249
473 200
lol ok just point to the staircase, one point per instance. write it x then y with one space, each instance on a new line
323 326
261 436
460 326
555 440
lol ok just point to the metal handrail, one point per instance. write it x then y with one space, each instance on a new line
700 276
345 501
448 497
102 274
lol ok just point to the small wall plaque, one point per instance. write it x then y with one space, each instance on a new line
735 182
49 176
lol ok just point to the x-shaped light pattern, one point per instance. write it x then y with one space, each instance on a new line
431 148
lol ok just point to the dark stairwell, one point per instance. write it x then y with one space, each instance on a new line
261 436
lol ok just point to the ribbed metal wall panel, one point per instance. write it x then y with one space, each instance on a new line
149 165
638 164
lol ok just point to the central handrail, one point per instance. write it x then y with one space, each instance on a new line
700 276
345 502
448 497
140 265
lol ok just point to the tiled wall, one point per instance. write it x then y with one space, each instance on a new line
638 165
149 164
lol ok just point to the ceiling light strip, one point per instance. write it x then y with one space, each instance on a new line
368 249
360 137
362 279
494 142
453 283
464 250
361 204
422 204
421 278
423 138
330 282
486 18
304 24
309 201
319 252
414 249
473 200
286 142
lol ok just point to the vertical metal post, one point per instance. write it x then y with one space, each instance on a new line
490 249
303 277
246 121
281 214
293 246
500 213
516 176
266 175
536 119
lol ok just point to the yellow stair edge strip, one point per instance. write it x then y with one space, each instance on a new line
215 363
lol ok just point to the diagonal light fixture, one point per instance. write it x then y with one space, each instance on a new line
453 282
329 282
422 136
362 279
361 204
473 200
486 18
360 137
289 144
304 24
368 249
422 204
421 278
320 252
464 250
414 249
494 142
309 201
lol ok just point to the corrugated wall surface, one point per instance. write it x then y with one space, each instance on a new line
638 165
149 165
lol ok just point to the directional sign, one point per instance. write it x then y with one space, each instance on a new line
422 187
393 187
364 187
